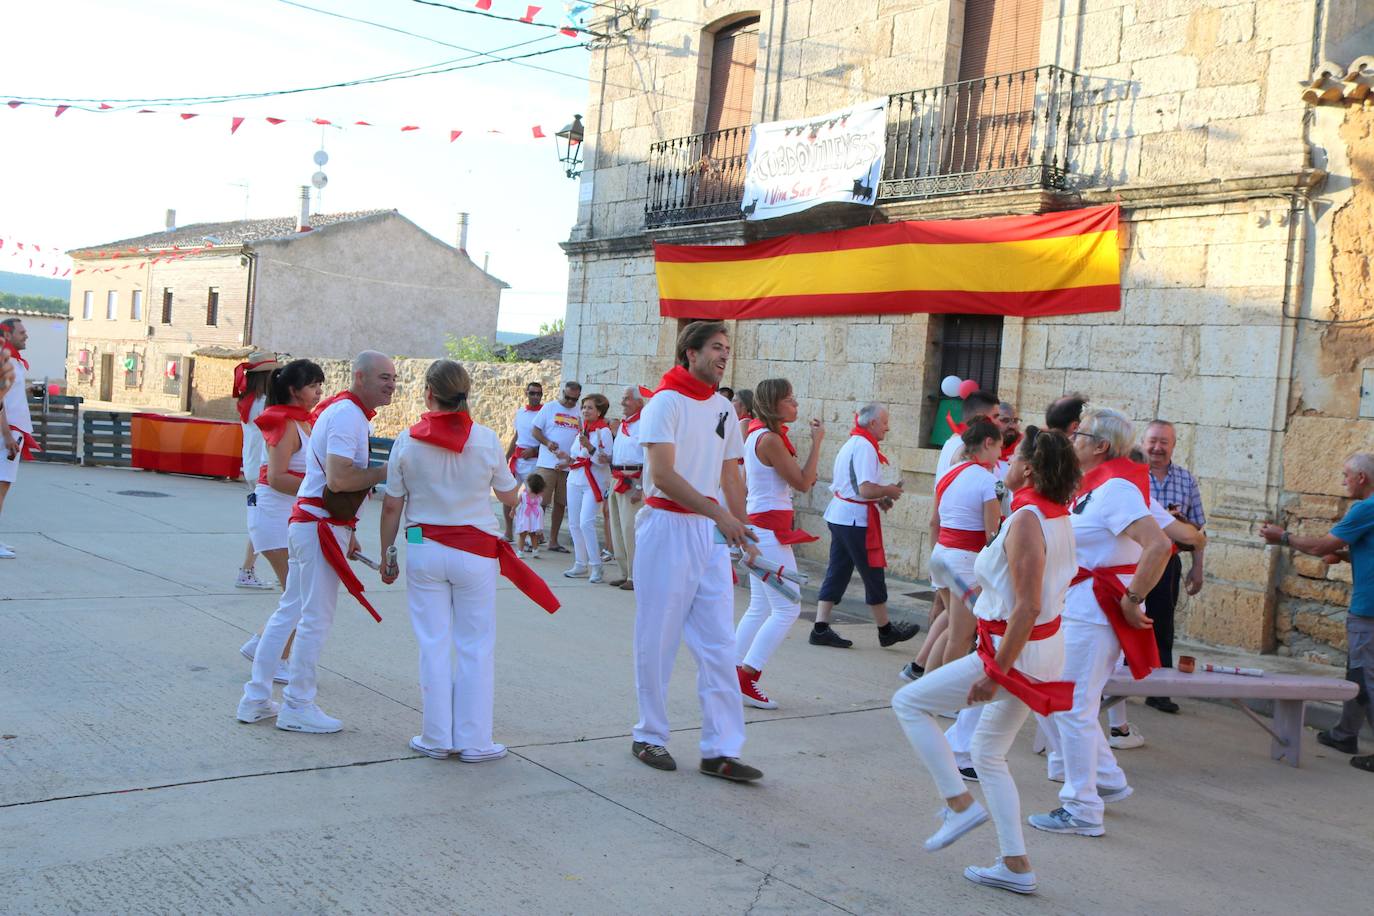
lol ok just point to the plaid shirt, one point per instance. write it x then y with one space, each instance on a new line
1179 488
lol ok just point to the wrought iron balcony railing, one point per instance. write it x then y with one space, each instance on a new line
1004 132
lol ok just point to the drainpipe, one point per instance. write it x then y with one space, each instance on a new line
251 297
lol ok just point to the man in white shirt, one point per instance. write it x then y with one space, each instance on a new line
555 427
627 493
978 404
16 426
523 450
336 458
683 591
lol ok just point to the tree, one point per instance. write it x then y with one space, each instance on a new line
551 327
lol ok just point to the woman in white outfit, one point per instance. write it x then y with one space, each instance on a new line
284 426
441 474
966 517
251 382
1024 574
772 473
589 480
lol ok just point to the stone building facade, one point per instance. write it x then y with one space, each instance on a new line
1243 213
141 307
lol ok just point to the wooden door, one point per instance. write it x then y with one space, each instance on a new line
107 376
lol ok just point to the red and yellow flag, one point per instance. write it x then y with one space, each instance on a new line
1062 263
186 445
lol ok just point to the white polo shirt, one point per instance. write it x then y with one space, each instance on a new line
524 437
626 450
859 454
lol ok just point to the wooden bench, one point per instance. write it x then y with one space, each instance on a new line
1288 692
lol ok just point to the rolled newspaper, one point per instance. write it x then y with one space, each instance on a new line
1228 669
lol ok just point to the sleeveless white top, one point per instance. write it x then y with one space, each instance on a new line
767 489
993 574
297 462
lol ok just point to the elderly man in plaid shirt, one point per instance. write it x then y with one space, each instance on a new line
1176 490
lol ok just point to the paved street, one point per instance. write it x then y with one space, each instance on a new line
127 785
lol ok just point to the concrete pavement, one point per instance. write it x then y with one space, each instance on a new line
127 785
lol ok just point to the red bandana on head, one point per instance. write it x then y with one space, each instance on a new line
273 420
865 434
756 425
1123 468
685 383
445 428
334 399
13 351
1026 496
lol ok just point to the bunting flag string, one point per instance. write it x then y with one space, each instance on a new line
53 260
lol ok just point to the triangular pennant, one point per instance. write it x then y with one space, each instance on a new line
105 106
187 116
530 13
410 127
14 104
569 31
484 4
538 132
145 111
276 121
454 135
362 124
60 109
323 121
234 126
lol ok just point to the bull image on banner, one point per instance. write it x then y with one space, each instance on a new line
795 165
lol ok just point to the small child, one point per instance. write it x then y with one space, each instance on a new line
529 517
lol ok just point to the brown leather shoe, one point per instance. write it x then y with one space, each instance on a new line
628 585
615 583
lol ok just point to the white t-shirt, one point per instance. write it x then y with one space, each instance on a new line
1097 529
444 487
559 425
951 454
859 454
254 446
17 400
601 441
627 451
705 434
994 575
341 430
961 508
524 438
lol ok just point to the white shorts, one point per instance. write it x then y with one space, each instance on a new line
269 513
9 470
959 562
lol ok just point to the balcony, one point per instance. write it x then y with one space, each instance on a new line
996 133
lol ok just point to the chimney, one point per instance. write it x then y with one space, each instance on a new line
171 219
303 217
463 232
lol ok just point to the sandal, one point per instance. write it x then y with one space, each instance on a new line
558 548
1365 763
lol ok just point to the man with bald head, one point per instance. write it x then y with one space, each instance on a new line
319 542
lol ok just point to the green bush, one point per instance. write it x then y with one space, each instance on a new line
475 349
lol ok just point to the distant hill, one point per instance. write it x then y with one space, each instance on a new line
29 285
511 338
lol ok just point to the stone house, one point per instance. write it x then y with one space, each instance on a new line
142 306
1245 306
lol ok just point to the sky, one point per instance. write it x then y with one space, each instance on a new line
84 178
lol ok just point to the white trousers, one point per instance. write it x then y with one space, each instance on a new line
306 606
960 735
452 596
945 688
1077 745
770 615
683 593
623 531
584 515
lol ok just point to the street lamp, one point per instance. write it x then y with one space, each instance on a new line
570 146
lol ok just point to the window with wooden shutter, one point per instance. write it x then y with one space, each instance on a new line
993 107
729 112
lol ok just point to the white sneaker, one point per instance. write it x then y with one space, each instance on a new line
310 719
1127 740
955 824
606 555
283 673
1115 795
577 571
251 711
998 875
6 552
596 574
534 554
472 755
434 752
249 579
249 650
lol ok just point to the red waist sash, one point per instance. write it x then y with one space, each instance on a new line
959 539
476 541
780 522
1043 697
873 540
27 444
333 553
623 478
658 502
262 474
1139 646
586 465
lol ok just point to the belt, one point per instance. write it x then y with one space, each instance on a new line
873 540
1139 646
780 522
476 541
962 539
1043 697
623 474
333 554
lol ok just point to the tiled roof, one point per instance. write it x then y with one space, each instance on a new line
550 346
236 232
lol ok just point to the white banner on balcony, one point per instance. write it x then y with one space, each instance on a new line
795 165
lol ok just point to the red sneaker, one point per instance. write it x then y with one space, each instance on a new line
752 693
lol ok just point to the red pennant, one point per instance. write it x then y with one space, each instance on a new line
105 107
454 135
235 125
570 32
323 121
410 127
276 120
484 4
14 104
145 111
81 270
362 124
21 245
67 271
60 109
538 132
187 117
530 13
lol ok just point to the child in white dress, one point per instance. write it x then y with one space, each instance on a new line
529 517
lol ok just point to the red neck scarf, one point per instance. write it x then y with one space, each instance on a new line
1009 450
1122 468
943 484
756 425
334 399
685 383
273 420
13 351
445 428
598 423
534 409
245 400
1026 496
865 434
955 428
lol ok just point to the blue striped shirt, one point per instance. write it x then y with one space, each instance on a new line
1179 488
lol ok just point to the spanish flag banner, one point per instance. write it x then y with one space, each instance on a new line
1064 263
186 445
